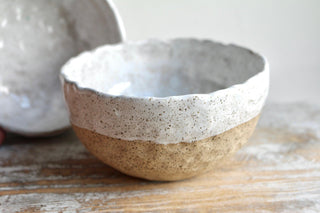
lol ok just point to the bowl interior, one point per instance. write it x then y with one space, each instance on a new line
159 69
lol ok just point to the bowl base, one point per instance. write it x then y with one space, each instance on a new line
166 162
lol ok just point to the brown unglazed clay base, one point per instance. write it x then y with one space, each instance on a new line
153 161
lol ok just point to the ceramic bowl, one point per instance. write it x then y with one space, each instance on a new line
36 38
165 110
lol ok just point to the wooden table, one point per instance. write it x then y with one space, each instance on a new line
277 171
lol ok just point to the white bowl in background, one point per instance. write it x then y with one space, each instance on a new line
36 38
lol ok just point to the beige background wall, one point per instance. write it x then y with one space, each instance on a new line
287 32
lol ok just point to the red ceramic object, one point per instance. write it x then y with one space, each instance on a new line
2 135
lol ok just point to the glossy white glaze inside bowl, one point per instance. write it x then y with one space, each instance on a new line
161 69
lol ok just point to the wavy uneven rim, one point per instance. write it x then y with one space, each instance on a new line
65 68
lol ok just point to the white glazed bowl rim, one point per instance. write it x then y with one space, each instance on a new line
65 68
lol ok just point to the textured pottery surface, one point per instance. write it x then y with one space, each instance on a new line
36 38
165 103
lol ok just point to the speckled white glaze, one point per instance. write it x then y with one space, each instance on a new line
36 38
180 90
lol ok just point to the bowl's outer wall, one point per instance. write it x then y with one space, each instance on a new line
167 120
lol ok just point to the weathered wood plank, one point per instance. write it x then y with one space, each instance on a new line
277 171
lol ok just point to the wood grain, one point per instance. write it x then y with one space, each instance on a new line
278 171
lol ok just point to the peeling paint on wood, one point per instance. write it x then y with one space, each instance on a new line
277 171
